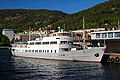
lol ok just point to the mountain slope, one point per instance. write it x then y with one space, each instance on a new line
21 19
107 12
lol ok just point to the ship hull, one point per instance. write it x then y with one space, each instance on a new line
86 55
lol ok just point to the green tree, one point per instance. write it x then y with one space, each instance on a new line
0 39
5 41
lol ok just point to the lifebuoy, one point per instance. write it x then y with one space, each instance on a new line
117 59
108 59
112 60
96 55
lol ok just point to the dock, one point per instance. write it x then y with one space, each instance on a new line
111 58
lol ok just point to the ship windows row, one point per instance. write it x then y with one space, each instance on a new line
53 42
39 43
38 51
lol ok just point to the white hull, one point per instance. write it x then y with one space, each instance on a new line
87 55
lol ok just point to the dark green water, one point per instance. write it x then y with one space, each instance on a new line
31 69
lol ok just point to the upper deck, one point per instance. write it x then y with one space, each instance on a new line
55 38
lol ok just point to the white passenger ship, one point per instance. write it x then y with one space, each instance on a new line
58 46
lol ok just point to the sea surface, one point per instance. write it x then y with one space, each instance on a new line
14 68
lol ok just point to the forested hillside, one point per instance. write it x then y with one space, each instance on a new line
21 19
97 16
102 15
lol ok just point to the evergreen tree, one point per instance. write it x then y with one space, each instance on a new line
5 41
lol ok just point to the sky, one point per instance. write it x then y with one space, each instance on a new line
67 6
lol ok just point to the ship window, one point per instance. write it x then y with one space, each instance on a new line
97 35
51 51
54 34
68 34
38 43
66 49
53 42
29 50
40 50
43 51
31 43
63 55
61 34
69 42
110 35
27 43
57 38
104 35
45 43
36 50
117 34
55 51
25 50
63 42
64 34
32 50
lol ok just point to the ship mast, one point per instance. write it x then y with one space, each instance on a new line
83 33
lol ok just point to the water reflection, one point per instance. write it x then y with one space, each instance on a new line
21 68
111 71
32 69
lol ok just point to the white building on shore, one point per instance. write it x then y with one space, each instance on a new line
9 33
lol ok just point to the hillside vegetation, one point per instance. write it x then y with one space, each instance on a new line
21 19
105 14
97 16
